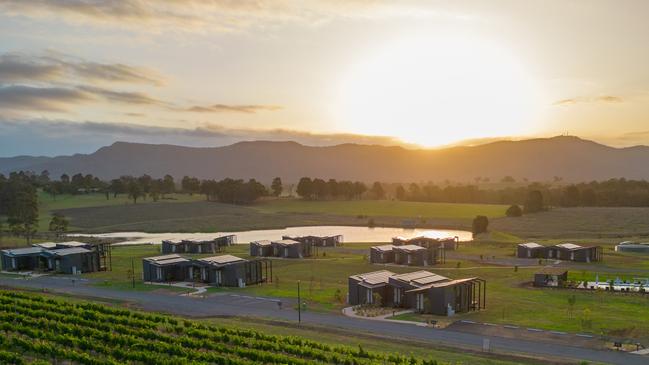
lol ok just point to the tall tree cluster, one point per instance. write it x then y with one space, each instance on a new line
318 189
233 191
19 202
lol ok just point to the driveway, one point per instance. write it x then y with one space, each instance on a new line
228 304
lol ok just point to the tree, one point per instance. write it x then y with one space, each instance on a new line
514 211
480 224
319 189
570 196
21 199
400 193
305 188
168 186
276 186
377 191
117 186
59 224
190 185
534 202
134 190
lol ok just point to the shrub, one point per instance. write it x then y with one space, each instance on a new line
514 211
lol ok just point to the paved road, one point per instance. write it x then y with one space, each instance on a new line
240 305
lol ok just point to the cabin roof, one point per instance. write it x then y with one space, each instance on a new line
410 248
530 245
221 259
23 251
384 247
569 246
286 242
70 251
374 278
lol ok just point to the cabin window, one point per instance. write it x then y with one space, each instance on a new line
420 302
369 298
218 277
409 259
397 296
158 273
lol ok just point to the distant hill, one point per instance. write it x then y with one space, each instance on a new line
571 158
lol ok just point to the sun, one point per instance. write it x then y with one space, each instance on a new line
434 91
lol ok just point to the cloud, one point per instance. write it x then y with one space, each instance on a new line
122 96
55 99
213 15
60 136
221 108
598 99
16 67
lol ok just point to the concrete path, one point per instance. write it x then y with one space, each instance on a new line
227 304
197 290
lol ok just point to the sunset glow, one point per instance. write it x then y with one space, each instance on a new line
433 91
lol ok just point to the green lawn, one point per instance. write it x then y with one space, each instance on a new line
48 204
92 213
384 208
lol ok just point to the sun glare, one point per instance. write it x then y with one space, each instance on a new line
437 91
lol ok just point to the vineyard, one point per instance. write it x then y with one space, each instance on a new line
35 329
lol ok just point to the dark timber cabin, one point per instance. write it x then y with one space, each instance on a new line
436 247
423 291
530 250
230 271
291 249
192 246
551 277
318 241
263 248
19 259
62 257
447 243
382 254
573 252
363 287
411 255
164 268
74 260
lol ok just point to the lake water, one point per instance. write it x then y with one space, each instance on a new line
350 234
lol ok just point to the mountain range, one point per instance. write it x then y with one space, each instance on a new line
541 159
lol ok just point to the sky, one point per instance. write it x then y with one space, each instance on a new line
76 75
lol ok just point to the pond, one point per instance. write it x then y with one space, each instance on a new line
350 234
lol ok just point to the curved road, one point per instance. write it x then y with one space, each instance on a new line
241 305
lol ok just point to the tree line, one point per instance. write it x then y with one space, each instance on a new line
609 193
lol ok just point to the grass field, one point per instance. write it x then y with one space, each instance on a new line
567 223
510 298
182 213
384 208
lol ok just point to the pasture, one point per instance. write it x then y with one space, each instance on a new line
182 213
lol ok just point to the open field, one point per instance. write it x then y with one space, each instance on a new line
92 213
510 297
567 223
97 334
384 208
